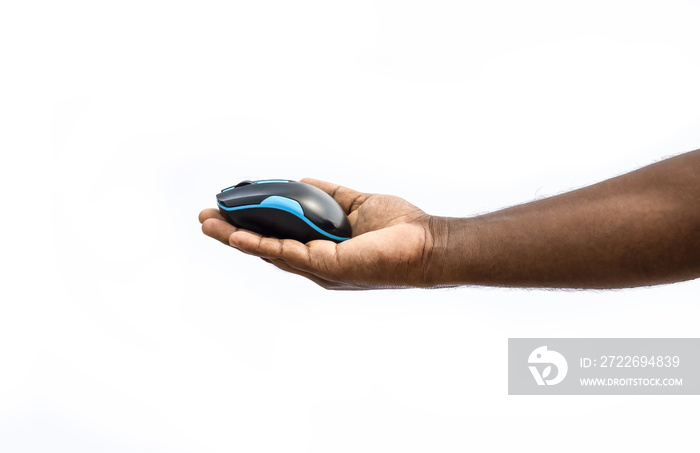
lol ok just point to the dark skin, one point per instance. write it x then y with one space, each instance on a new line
638 229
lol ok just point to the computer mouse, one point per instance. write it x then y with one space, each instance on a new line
284 209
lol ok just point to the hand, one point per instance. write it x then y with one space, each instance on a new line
391 247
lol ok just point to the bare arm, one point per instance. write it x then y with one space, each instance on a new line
641 228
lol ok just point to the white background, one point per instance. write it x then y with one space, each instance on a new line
123 328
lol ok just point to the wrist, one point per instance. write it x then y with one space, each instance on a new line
452 251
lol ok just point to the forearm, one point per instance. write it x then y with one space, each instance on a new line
640 228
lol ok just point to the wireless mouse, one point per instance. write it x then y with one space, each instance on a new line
284 209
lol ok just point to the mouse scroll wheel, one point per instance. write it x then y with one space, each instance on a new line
243 183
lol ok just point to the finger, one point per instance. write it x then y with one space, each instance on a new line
348 199
210 213
316 257
271 248
218 229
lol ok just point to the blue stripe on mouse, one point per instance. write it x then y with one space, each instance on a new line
284 209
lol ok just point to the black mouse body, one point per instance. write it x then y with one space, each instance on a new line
284 209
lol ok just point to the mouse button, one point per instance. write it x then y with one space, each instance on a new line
240 197
283 203
240 184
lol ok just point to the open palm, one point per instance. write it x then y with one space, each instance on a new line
391 244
